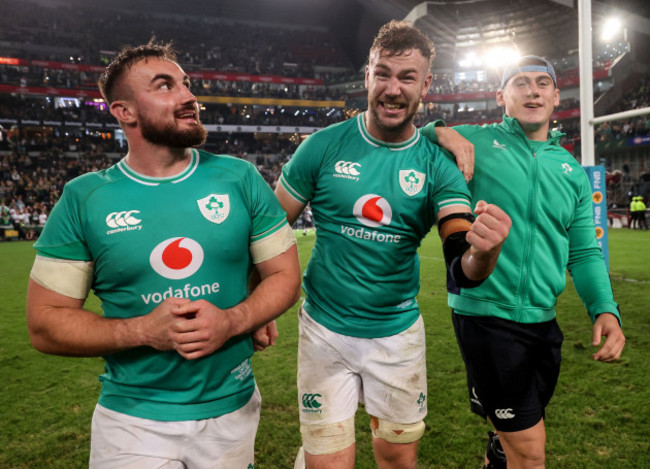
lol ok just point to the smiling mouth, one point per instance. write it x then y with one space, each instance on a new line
532 106
186 115
393 106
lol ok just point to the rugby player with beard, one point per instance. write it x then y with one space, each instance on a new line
376 188
167 239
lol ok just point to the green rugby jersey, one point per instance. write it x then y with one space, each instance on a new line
152 238
372 202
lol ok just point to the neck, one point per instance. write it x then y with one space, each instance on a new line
156 160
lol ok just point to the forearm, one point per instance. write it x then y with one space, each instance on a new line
274 295
70 330
479 265
591 281
278 290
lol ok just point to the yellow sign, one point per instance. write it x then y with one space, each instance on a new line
597 197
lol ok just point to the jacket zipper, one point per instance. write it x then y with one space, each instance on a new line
523 286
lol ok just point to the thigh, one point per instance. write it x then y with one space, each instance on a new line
119 440
549 358
394 375
328 385
227 441
502 362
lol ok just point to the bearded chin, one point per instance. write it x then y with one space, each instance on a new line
394 128
172 137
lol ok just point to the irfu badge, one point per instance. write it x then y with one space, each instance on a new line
215 207
411 181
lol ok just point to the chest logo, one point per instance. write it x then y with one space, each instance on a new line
176 258
411 181
500 146
123 219
373 210
215 207
566 168
346 167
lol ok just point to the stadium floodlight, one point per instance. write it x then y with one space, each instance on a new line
498 57
470 60
611 28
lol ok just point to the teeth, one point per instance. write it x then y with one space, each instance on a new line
392 106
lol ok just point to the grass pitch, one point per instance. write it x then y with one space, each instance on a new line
598 418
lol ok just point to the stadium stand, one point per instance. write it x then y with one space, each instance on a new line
262 88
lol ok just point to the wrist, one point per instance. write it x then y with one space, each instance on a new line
236 320
131 332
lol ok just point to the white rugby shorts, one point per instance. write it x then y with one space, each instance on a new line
337 372
227 441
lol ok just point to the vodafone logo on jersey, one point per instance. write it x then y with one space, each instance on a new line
373 210
177 258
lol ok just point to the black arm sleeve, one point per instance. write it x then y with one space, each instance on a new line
453 248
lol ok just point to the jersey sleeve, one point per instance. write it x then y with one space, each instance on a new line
451 186
62 236
586 263
267 215
299 175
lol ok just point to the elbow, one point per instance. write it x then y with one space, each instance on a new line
39 336
39 340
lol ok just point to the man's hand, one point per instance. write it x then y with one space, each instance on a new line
607 325
265 336
155 326
489 230
200 329
458 146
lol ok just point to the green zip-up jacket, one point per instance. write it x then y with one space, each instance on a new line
547 195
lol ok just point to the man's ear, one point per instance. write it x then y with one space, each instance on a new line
123 112
500 101
427 83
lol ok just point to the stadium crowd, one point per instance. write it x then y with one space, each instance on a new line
36 165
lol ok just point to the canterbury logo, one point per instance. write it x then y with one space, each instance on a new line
122 219
310 401
500 146
504 414
346 167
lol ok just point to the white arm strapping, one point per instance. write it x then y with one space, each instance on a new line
63 276
272 245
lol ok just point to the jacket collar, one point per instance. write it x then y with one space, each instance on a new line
512 125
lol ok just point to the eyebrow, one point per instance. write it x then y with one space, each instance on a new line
398 72
166 76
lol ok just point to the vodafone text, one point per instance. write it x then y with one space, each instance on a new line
188 291
373 235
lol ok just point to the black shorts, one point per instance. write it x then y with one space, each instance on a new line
512 368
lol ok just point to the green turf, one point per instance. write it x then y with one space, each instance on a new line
598 417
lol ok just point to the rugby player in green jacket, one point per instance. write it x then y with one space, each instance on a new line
506 327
